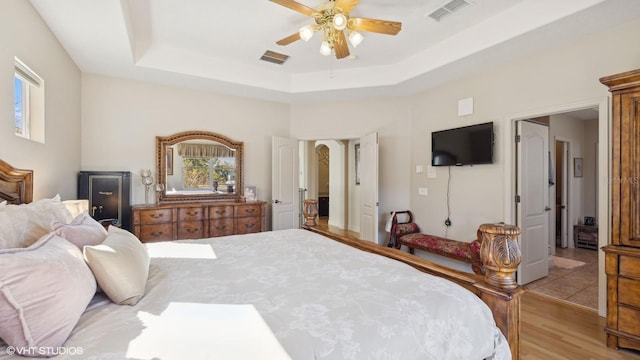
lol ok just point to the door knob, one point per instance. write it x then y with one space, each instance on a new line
546 208
277 201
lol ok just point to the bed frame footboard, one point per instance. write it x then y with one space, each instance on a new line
497 288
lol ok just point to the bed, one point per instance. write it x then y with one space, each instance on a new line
294 294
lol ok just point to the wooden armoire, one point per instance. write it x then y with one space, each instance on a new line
622 256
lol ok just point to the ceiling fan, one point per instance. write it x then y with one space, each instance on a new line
332 18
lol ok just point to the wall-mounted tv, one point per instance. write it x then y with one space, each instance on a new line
467 145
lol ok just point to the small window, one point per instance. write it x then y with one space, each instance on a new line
29 102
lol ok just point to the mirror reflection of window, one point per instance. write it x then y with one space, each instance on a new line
213 174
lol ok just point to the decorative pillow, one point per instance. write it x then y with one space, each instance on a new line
43 291
22 225
121 266
82 231
3 203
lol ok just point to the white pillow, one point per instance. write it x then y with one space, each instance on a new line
120 265
76 207
22 225
44 289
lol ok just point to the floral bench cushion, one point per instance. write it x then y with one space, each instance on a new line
465 251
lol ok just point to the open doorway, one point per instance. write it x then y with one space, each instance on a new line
328 175
573 185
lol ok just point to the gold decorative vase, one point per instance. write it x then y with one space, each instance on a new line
500 254
310 212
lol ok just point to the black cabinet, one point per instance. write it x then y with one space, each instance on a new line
323 206
109 194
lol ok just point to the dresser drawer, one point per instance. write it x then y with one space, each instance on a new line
190 214
155 216
221 227
629 266
628 320
248 210
218 212
191 230
631 293
248 225
158 232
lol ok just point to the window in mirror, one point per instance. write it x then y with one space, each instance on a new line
214 174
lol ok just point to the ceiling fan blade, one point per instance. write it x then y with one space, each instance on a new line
346 5
340 47
296 6
289 39
375 25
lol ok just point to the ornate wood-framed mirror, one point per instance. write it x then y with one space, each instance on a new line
199 166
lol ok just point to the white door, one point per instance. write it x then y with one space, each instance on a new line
284 184
369 187
533 190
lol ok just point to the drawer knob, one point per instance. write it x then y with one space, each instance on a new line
156 215
221 227
250 210
249 226
191 213
193 230
220 211
157 233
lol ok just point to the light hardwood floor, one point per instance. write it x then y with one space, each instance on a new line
556 330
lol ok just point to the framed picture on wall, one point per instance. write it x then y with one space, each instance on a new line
357 162
577 167
169 161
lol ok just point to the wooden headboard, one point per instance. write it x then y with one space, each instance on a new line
16 185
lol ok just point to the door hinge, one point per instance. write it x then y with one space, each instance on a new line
517 138
517 199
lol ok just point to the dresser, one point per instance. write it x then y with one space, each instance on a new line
622 256
196 220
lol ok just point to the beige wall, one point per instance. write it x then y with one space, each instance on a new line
121 118
56 162
563 75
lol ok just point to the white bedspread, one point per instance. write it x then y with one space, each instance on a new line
286 294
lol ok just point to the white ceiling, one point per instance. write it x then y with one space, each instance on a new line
216 45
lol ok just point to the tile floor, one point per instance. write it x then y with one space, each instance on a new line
578 285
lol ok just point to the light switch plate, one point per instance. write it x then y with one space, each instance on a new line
431 172
419 169
423 191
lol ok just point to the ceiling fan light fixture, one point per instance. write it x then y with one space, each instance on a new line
355 38
306 32
325 48
339 21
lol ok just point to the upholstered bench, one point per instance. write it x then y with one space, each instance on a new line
408 234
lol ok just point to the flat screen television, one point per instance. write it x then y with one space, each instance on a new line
467 145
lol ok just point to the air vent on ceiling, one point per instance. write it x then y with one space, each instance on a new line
448 8
274 57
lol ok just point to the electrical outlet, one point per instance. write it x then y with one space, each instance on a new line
423 191
419 169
